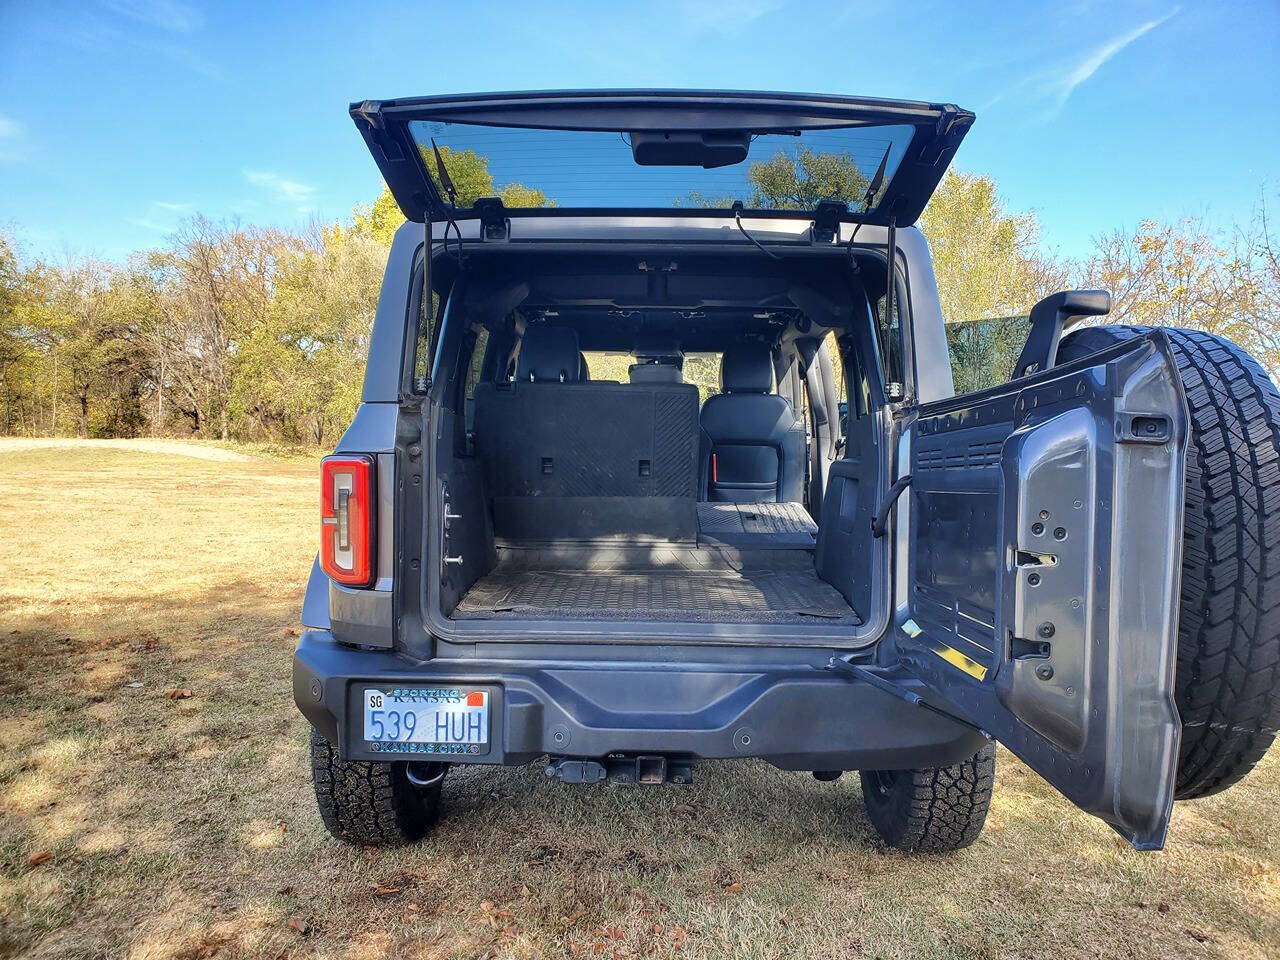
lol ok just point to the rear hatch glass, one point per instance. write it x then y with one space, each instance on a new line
588 168
661 152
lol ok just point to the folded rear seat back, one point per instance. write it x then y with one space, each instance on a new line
566 460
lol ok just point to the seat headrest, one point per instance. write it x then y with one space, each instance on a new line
548 355
655 373
584 372
746 368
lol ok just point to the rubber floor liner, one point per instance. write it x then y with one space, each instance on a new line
669 584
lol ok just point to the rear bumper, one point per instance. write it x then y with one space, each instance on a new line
794 716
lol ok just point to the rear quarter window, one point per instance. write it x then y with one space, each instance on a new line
983 352
889 340
425 312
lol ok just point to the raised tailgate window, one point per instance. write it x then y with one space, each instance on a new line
531 168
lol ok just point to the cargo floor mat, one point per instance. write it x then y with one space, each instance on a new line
660 583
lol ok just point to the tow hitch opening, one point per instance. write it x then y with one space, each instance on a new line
648 769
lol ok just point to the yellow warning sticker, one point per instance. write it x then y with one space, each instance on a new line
957 659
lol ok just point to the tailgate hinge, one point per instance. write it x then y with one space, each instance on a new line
369 113
950 127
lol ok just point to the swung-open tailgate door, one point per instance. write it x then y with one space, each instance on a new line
1045 551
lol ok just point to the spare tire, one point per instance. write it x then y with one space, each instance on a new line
1228 674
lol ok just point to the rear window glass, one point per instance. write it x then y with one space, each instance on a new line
574 168
700 369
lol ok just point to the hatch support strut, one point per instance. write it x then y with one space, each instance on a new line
425 311
891 249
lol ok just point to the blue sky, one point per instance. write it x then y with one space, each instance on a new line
120 117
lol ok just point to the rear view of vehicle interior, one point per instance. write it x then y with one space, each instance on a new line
630 443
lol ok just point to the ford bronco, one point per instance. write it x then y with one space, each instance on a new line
660 457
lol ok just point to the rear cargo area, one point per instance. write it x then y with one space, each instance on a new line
571 491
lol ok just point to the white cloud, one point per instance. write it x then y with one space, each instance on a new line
1051 87
162 216
146 223
728 14
12 140
1064 85
168 15
282 189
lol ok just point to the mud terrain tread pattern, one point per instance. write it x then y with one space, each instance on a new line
368 803
1228 675
933 809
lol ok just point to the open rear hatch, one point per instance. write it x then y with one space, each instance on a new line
658 152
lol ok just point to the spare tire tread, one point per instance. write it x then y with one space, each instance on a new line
1229 646
1228 673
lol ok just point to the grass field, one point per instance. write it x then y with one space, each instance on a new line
136 825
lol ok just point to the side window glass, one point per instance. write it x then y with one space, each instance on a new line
983 352
475 370
426 311
477 362
889 338
837 372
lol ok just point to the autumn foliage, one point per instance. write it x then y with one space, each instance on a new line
234 331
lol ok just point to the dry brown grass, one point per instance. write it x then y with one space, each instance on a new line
186 828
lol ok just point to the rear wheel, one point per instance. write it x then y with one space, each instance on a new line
374 804
1228 679
931 809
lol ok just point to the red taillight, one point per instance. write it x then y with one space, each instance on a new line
347 518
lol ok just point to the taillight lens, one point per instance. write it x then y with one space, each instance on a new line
347 518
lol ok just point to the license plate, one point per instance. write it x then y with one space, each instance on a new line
427 720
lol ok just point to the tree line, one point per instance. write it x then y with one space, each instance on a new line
233 331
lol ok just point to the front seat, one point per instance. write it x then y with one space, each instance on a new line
756 440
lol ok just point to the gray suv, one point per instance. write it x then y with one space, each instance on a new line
660 459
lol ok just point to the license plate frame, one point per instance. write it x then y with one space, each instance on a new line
427 704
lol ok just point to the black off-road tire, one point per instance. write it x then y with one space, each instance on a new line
372 804
933 809
1228 679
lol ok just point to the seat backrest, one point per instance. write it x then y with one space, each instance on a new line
756 440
